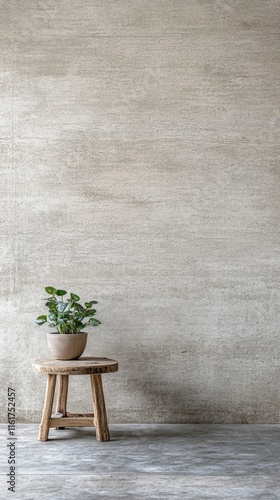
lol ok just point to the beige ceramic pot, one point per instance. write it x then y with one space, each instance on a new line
67 346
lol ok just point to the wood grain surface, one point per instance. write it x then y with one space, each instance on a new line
82 366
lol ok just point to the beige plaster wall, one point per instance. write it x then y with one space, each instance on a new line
139 166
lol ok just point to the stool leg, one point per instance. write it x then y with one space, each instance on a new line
99 409
47 411
62 396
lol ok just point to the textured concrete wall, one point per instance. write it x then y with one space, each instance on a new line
139 167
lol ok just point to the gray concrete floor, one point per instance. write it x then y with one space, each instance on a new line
146 462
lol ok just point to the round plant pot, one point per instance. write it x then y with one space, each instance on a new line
67 346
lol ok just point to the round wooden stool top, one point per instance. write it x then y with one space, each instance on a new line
81 366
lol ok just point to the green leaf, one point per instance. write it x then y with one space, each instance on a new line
61 321
50 290
61 306
41 320
89 304
61 292
68 307
94 322
51 305
91 312
74 297
62 328
79 307
52 316
79 326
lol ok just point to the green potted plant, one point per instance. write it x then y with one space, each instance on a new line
69 318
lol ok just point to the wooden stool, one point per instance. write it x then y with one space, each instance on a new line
61 419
